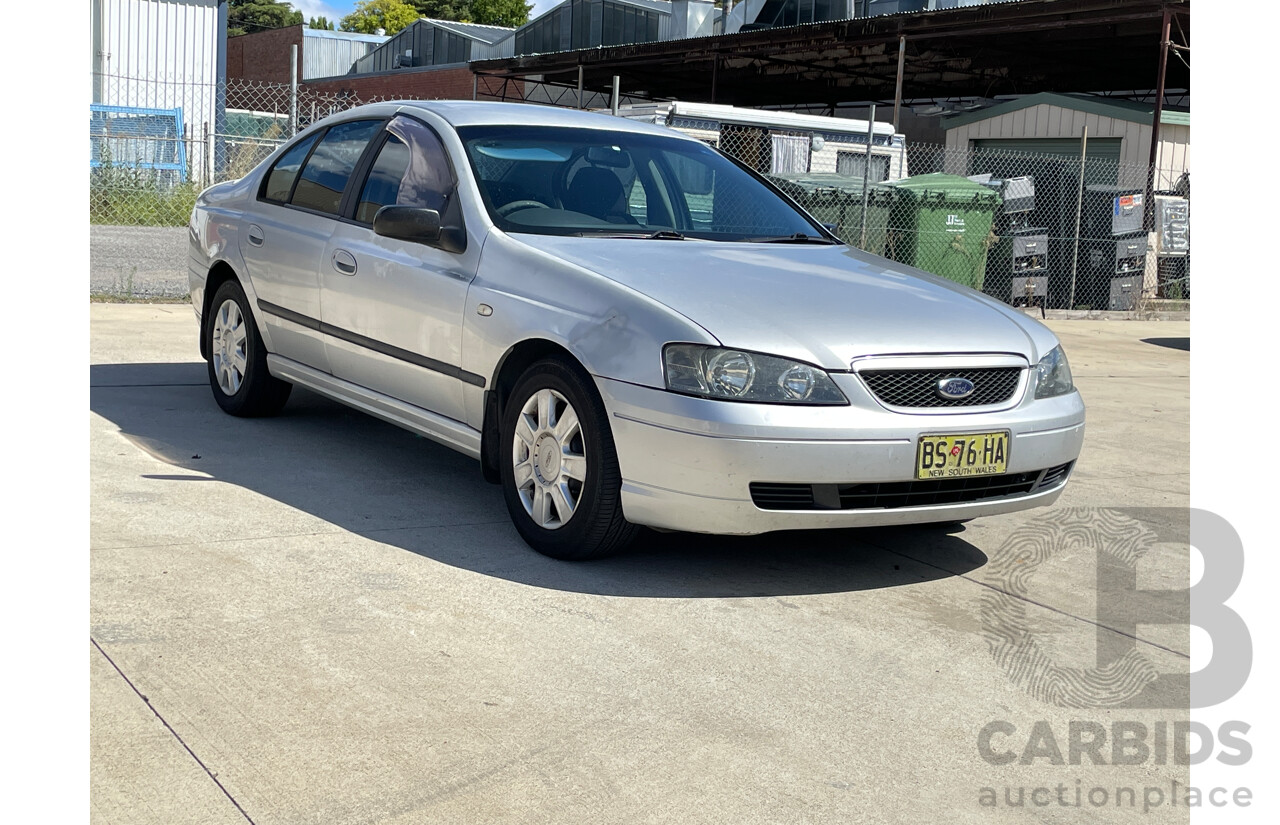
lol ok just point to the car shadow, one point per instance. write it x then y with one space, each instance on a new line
377 480
1183 343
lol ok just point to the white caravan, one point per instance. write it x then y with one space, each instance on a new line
784 143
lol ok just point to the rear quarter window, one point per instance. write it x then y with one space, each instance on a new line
281 177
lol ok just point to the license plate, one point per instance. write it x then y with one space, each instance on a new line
962 456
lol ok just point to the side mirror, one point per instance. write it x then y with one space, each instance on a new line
408 223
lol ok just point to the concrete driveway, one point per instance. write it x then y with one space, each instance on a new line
320 618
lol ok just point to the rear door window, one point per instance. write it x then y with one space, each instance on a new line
325 175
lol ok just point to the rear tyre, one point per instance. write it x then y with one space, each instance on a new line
237 362
560 475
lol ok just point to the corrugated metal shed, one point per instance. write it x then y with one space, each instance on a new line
330 53
1063 116
160 54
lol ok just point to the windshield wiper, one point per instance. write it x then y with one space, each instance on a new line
798 237
660 235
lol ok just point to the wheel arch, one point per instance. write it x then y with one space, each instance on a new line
514 362
219 274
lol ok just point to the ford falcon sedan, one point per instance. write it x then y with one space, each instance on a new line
624 327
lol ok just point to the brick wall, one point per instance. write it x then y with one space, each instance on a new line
264 55
452 83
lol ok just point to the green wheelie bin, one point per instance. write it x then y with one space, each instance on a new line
942 224
837 200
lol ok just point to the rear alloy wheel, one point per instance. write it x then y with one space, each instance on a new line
560 473
238 373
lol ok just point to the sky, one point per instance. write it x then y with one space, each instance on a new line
335 10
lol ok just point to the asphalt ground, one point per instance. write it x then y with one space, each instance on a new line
320 618
138 261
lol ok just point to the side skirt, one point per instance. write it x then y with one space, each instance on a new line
446 431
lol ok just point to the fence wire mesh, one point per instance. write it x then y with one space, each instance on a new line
154 145
1046 231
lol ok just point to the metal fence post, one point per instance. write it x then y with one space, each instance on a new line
186 150
581 102
897 93
866 173
1075 253
293 89
208 156
614 104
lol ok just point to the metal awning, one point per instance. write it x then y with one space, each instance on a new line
978 51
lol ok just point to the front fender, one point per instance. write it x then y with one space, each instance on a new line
613 330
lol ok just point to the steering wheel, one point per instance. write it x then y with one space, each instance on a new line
515 206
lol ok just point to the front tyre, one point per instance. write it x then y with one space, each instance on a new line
238 372
560 475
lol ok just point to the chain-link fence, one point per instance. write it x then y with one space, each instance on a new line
1046 231
156 144
1040 230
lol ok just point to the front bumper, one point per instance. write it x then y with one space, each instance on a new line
688 463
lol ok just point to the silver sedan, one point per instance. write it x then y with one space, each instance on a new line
623 326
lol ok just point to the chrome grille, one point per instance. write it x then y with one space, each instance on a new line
918 388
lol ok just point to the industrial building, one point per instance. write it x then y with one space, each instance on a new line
428 42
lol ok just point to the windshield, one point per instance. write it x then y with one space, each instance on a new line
551 180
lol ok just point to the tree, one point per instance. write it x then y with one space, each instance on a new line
459 10
511 13
321 22
371 15
249 16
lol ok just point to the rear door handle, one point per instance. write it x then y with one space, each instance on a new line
256 237
344 262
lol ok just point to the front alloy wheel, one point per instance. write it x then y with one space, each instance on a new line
561 479
549 460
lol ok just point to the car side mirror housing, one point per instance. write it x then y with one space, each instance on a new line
408 223
419 225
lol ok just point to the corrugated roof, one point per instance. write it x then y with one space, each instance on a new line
662 6
335 35
659 6
1104 106
476 31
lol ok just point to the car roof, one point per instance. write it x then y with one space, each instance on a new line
484 113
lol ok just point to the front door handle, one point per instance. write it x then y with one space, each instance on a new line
255 235
344 262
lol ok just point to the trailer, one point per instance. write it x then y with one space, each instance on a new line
785 143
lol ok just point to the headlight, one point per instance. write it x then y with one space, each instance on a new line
1053 375
731 374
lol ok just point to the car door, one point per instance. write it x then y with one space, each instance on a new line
287 232
392 309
